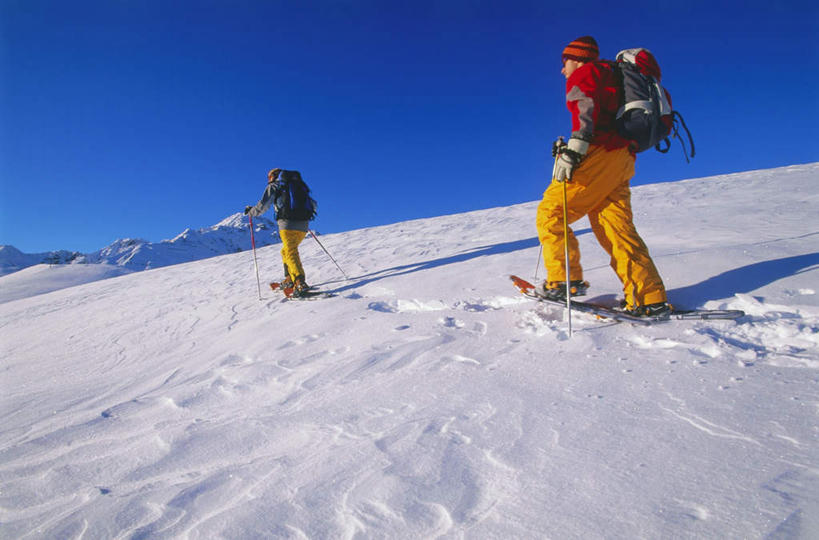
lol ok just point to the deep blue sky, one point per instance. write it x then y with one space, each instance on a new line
141 118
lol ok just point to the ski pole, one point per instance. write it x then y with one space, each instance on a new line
566 253
539 257
556 147
255 262
328 254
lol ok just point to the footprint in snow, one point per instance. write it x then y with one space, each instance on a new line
451 322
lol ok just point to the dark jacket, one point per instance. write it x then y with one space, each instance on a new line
272 196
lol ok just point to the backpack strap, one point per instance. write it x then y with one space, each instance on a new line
676 116
677 120
663 150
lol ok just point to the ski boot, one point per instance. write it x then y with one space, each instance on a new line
300 287
556 290
658 310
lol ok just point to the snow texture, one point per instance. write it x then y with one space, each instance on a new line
428 398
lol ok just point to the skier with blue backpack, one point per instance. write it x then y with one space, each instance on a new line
295 208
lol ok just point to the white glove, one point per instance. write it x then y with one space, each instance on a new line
568 158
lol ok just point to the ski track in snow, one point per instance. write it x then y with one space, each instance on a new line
428 398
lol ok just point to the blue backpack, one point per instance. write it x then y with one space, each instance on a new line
294 201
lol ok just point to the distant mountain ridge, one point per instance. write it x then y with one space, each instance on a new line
230 235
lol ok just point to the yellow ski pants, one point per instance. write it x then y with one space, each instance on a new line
600 189
290 252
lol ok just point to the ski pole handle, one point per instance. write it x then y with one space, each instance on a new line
557 146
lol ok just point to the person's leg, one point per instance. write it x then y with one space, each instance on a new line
290 253
613 225
600 172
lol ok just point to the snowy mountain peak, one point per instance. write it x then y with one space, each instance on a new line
13 260
228 236
237 221
179 236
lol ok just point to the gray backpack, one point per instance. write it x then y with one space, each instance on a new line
645 115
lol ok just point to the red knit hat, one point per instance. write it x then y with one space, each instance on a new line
583 49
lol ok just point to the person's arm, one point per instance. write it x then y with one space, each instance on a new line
264 204
581 94
580 100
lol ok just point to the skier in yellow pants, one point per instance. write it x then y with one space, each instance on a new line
596 165
290 197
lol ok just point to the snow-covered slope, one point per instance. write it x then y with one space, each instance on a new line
23 274
428 398
45 278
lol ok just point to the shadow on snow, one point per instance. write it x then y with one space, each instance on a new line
743 280
739 280
484 251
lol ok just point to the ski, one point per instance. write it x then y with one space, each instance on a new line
290 292
604 312
309 295
280 286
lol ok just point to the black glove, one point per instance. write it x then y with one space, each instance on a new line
247 209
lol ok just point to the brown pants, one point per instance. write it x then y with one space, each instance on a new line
600 189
